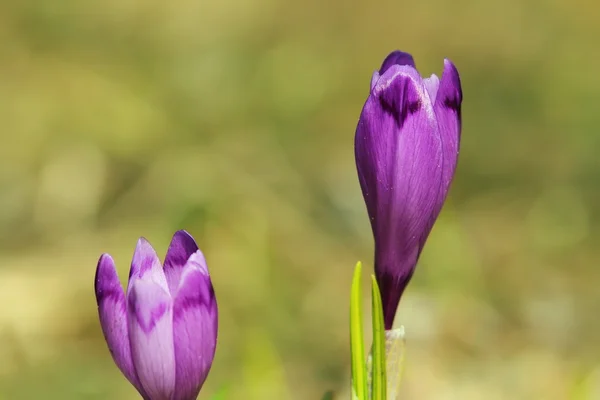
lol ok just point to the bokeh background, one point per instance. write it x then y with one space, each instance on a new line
235 120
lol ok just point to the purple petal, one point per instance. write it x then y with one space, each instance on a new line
146 266
448 113
150 313
397 58
194 328
113 317
399 161
181 248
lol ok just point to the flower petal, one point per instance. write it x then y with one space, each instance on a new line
195 326
448 113
374 79
397 58
150 313
181 248
146 265
432 84
399 161
113 317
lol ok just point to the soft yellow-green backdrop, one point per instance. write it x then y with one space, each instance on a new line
234 119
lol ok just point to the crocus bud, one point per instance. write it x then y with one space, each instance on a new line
162 333
406 149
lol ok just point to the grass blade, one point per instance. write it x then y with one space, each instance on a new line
378 378
357 347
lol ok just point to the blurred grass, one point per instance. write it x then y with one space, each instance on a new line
235 121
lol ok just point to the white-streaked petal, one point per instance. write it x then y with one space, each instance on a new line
194 328
150 318
432 84
374 79
146 265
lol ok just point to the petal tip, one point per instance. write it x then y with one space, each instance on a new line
451 72
183 241
183 233
182 248
144 258
448 62
397 57
143 248
104 262
142 243
106 279
450 87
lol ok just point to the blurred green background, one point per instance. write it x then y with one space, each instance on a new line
235 120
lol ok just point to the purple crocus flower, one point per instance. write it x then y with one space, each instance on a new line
406 149
162 333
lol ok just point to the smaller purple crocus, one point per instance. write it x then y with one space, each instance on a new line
406 149
162 333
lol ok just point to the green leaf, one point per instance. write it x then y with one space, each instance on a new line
357 347
378 378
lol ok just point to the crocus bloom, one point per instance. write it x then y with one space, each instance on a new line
162 333
406 149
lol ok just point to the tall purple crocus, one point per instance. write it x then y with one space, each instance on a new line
406 149
162 333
